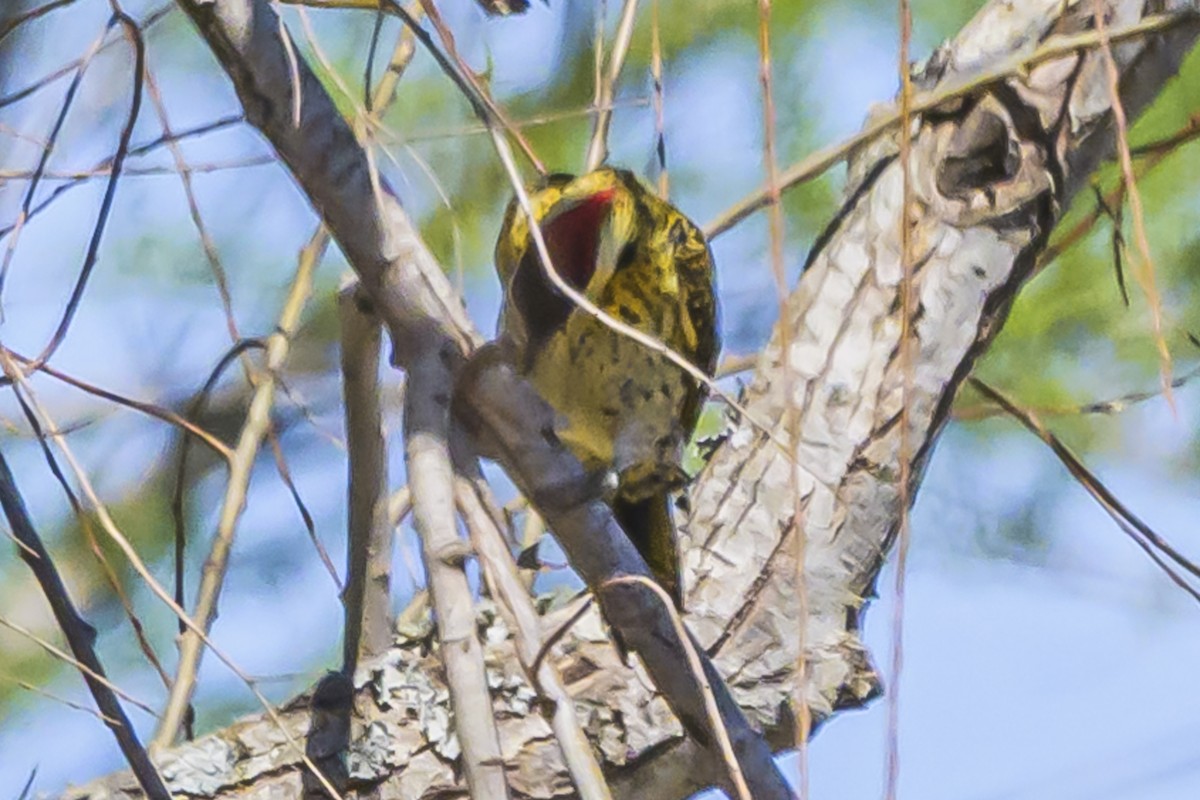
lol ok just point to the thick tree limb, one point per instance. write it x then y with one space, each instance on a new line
993 172
992 175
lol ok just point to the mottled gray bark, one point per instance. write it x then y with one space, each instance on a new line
991 174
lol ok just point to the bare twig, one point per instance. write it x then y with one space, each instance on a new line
149 409
177 496
507 588
85 524
367 599
104 166
211 255
80 636
1016 66
906 364
310 527
535 120
28 787
1142 534
48 150
1143 269
20 94
791 420
134 35
599 23
29 687
598 147
258 419
558 633
660 126
431 477
75 176
11 25
1113 405
477 93
66 658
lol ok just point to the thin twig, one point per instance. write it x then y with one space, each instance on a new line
1141 533
79 634
29 687
535 665
791 415
66 658
536 120
104 166
598 146
367 630
1017 66
76 176
599 22
258 418
149 409
29 16
48 150
134 35
1143 269
85 524
1114 405
1119 250
466 78
431 477
28 787
906 367
211 255
310 526
177 496
20 94
660 125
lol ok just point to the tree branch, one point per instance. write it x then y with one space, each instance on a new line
368 596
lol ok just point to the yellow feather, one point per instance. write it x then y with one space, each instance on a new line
623 407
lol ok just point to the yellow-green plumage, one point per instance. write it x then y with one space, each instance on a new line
623 407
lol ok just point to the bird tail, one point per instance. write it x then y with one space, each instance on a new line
649 525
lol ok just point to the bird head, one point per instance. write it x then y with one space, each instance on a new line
588 224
